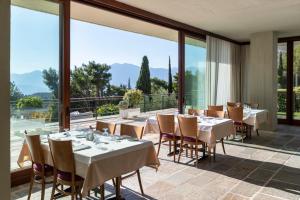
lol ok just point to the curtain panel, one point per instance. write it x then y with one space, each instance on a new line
223 72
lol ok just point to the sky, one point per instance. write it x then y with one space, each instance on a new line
35 44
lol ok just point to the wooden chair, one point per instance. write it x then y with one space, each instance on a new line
136 132
100 125
236 114
189 135
64 169
131 130
40 170
217 114
234 104
195 112
166 125
216 108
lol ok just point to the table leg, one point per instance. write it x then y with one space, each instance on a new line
118 189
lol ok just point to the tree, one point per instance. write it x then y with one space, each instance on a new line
143 82
170 84
50 77
158 86
175 83
29 102
280 73
99 76
15 93
113 90
129 85
81 85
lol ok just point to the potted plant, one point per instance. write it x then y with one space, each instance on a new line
129 107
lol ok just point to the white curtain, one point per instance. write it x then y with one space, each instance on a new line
223 72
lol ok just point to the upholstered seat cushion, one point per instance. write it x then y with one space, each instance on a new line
190 139
170 136
67 176
38 167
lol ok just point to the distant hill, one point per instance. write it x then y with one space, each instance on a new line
121 73
32 82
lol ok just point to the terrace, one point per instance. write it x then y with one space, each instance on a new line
180 94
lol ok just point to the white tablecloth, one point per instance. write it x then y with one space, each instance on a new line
104 161
210 129
255 117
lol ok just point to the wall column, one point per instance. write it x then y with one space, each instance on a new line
4 99
262 75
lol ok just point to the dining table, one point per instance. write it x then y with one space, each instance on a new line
210 129
102 159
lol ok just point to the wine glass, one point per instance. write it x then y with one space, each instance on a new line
105 131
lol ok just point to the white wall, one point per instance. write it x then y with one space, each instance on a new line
4 100
261 77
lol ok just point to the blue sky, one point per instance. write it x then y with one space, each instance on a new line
35 35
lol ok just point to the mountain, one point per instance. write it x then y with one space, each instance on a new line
29 83
32 82
121 73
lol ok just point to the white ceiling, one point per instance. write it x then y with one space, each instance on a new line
235 19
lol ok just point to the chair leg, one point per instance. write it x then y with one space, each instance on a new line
170 147
175 145
102 191
43 189
180 150
30 186
113 181
242 134
196 153
257 133
53 187
215 153
140 181
160 137
222 141
192 154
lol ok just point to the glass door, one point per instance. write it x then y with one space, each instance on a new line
195 69
296 81
282 80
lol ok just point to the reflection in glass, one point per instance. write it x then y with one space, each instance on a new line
195 66
282 79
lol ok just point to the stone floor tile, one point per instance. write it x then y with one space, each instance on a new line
282 190
247 187
261 175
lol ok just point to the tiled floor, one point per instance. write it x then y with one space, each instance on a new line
267 167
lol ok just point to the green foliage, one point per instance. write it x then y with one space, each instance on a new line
15 93
50 77
107 109
81 84
158 86
133 97
170 83
123 105
281 101
175 83
113 90
29 102
143 83
98 75
129 85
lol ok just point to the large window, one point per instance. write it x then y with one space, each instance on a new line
289 81
112 54
195 69
34 71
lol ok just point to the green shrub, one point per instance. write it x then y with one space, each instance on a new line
133 97
108 109
30 102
